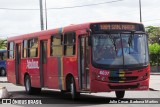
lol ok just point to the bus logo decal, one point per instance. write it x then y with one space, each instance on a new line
32 64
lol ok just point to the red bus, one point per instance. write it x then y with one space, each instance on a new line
90 57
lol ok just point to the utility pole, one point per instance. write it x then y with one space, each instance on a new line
46 14
140 11
41 14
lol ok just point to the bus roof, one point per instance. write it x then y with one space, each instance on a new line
69 28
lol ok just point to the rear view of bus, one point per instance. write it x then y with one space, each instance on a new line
119 57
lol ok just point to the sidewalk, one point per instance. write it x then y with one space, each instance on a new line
3 79
154 83
155 73
3 91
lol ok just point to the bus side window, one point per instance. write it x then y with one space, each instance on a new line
33 47
69 44
1 56
56 45
4 55
25 46
11 50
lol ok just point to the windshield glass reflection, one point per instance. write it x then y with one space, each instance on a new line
120 49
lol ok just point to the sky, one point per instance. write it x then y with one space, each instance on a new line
23 16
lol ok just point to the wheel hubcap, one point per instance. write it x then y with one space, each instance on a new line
72 88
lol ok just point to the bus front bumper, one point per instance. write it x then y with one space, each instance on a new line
99 86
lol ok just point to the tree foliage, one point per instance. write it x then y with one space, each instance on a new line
154 34
154 50
3 43
154 44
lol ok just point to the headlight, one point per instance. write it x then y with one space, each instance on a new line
144 76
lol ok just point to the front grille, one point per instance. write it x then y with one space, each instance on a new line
125 79
124 86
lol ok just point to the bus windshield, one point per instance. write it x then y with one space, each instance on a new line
120 50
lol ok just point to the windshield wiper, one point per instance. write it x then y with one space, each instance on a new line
131 37
113 41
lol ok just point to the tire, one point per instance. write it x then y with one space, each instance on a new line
30 90
3 72
120 94
74 94
63 91
27 83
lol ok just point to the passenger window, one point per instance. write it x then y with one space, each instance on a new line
25 46
4 56
1 56
10 50
69 44
56 45
33 47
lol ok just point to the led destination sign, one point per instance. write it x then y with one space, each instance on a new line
117 27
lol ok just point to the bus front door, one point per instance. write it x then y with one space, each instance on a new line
43 64
83 61
18 64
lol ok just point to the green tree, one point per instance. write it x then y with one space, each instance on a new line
154 34
3 43
154 50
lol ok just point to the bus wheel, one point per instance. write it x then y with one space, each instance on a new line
27 84
120 94
74 94
3 72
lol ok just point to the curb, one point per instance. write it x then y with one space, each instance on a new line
151 89
154 73
4 93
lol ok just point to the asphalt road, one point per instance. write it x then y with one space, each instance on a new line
95 99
